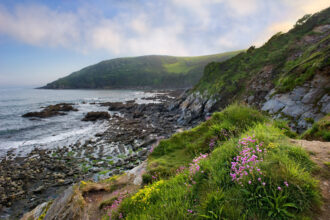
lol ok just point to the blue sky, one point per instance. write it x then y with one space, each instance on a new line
42 40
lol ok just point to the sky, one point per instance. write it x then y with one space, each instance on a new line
43 40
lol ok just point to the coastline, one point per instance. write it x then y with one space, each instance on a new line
44 173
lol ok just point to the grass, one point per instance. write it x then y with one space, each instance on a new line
145 71
291 62
103 172
320 130
286 189
183 147
186 64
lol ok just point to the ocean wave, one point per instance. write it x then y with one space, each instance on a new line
53 141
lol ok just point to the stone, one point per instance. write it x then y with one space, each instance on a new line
296 110
209 105
142 152
52 110
325 104
36 212
313 95
137 172
93 116
39 189
66 206
272 106
298 93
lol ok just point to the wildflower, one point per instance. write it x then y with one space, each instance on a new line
263 183
190 211
286 184
259 179
245 163
83 182
279 188
249 181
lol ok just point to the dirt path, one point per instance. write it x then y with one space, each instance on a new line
320 154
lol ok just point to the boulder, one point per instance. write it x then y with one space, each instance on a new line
68 205
93 116
52 110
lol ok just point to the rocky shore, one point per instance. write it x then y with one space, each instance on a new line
132 131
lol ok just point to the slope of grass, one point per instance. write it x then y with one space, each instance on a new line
183 147
277 183
319 131
145 71
293 58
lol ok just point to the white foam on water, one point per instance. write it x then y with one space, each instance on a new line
22 148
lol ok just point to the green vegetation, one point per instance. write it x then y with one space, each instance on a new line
277 185
286 60
319 131
183 147
145 71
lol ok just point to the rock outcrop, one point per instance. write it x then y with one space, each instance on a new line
94 116
303 105
52 110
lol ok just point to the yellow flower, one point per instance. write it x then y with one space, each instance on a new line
271 146
143 195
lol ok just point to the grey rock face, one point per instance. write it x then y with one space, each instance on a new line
209 104
325 103
272 106
295 110
64 207
36 212
193 107
312 95
309 101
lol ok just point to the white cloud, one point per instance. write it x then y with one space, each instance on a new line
180 27
296 9
38 25
307 6
107 36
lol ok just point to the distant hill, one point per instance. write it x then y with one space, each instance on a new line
140 72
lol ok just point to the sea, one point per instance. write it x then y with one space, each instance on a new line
20 135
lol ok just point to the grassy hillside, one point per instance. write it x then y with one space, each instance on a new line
237 165
320 130
145 71
285 61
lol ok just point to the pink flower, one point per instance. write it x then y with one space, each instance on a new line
259 179
263 183
286 184
279 188
249 181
